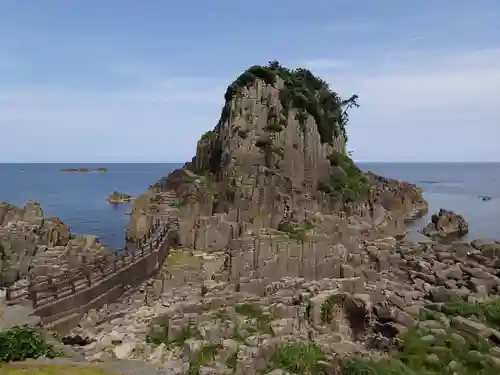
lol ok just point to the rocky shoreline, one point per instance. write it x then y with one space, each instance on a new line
33 245
293 261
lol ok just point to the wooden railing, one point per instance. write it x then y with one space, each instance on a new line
43 290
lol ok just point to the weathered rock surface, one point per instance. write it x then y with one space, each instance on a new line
31 244
446 224
391 295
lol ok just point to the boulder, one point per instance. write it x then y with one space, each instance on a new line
446 224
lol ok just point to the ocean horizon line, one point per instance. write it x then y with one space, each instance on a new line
183 162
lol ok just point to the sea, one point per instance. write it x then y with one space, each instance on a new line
79 199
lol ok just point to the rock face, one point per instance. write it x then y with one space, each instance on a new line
117 198
31 244
276 160
446 224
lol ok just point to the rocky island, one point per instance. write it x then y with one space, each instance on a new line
82 170
291 260
118 198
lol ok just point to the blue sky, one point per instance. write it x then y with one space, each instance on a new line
130 80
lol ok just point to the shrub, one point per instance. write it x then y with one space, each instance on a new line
347 181
22 342
302 90
273 126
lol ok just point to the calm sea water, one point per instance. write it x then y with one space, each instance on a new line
79 199
453 186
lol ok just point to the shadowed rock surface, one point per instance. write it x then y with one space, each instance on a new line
31 244
446 224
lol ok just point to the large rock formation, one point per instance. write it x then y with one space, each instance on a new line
282 270
31 244
277 158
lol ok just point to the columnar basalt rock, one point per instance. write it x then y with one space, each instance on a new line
276 160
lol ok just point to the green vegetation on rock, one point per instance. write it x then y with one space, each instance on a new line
331 303
208 135
254 312
23 342
296 232
347 181
202 357
487 312
298 358
160 334
302 91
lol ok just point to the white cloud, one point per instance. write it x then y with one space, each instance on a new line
162 116
439 101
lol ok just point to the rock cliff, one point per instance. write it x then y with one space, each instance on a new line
275 159
31 244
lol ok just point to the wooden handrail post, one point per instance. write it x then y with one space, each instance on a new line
72 284
52 289
115 262
32 295
87 272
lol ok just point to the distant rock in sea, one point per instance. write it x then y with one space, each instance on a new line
83 170
118 198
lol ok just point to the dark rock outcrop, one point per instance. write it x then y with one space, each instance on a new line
31 244
446 224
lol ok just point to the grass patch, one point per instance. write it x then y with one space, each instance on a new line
297 358
296 233
205 356
418 355
262 321
181 258
160 335
487 312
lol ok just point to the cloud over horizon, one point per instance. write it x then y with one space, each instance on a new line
426 93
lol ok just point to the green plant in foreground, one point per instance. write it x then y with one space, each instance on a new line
202 357
488 312
298 358
22 342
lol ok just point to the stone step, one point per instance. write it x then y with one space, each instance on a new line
64 323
